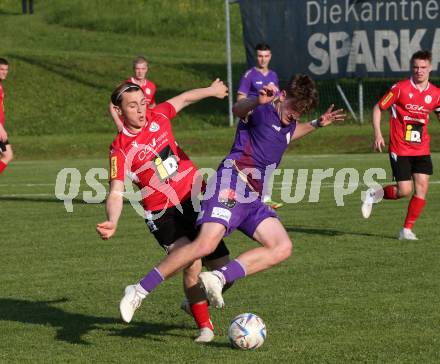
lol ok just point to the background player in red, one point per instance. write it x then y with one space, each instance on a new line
140 70
147 153
6 153
410 102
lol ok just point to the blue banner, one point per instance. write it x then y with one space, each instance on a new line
342 38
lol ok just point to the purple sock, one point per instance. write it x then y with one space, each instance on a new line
151 280
232 271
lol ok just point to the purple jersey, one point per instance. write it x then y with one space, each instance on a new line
253 80
260 141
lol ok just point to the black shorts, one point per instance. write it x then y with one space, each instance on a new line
405 166
3 146
172 225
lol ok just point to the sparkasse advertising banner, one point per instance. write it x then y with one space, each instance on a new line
342 38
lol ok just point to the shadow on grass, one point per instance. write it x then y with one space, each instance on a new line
8 12
60 69
332 232
72 326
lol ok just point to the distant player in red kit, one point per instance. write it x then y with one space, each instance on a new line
6 154
140 70
410 102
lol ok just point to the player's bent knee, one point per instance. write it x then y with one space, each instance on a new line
280 251
284 250
404 191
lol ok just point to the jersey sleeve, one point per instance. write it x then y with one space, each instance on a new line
245 84
117 161
276 79
166 109
390 97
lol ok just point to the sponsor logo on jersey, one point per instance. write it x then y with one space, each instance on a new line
227 197
413 133
134 144
221 213
413 107
386 99
114 167
259 82
428 99
409 118
147 91
154 127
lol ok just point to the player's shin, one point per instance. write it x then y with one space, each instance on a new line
415 208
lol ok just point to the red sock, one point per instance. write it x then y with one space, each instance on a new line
201 314
415 208
390 192
2 166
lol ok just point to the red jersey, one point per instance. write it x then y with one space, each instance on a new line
153 161
149 89
2 107
409 119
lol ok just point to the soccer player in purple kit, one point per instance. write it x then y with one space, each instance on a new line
251 83
267 126
255 78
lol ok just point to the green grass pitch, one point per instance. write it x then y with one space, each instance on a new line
351 292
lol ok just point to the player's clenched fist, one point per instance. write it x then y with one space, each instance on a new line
219 89
106 229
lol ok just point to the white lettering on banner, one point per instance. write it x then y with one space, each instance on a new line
318 11
386 48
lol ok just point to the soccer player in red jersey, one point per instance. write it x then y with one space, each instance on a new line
140 70
410 101
6 153
146 152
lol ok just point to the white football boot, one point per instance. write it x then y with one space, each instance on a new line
212 283
130 302
206 335
367 206
407 234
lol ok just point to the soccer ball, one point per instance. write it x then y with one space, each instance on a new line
247 331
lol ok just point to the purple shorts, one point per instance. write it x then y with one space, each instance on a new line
229 201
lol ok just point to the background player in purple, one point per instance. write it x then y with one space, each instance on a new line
251 83
268 125
258 76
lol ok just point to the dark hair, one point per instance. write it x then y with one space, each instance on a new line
425 55
301 89
116 97
3 61
262 47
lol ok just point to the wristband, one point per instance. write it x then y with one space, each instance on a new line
315 124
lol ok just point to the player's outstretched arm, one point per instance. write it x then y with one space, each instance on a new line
216 89
324 120
114 206
379 142
115 117
245 105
